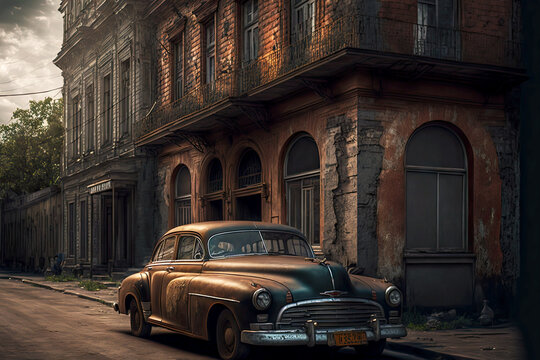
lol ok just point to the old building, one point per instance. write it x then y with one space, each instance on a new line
107 181
385 130
30 229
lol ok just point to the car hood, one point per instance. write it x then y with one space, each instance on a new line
305 278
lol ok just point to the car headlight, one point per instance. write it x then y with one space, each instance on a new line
393 296
262 299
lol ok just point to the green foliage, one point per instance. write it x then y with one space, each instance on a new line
60 278
31 147
92 285
417 321
414 320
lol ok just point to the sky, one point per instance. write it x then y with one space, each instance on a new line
30 38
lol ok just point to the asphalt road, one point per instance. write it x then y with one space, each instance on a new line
43 324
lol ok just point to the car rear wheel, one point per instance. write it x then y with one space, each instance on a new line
228 338
372 349
139 327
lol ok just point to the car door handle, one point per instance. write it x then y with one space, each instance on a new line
170 268
149 267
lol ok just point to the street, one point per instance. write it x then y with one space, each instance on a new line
44 324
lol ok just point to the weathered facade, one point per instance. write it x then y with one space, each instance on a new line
30 229
385 130
107 181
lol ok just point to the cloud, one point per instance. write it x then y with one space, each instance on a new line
30 38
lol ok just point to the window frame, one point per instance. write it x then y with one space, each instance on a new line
298 34
106 106
437 171
238 171
250 44
90 117
177 76
76 125
125 96
209 49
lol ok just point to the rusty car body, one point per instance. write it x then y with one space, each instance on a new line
251 283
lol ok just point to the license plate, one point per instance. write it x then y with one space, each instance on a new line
350 338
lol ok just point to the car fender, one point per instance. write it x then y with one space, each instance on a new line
210 291
136 285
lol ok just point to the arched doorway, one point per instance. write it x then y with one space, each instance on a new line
302 186
439 266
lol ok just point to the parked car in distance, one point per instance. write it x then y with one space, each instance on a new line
240 284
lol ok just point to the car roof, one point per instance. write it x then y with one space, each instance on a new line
210 228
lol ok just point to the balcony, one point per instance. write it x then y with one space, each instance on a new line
354 40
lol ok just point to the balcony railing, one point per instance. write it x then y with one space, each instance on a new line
374 34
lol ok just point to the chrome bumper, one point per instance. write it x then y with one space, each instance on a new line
312 336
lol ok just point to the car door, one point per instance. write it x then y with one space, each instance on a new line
175 284
157 269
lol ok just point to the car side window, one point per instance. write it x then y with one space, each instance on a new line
167 251
157 251
189 247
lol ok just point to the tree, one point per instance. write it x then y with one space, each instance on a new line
31 147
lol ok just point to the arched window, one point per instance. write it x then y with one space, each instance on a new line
436 190
214 190
215 176
302 180
182 195
249 170
248 204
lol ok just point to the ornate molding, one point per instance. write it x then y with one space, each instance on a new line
203 12
177 27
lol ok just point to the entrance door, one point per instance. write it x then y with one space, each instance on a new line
106 231
122 229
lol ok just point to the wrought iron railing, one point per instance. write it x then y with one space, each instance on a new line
354 31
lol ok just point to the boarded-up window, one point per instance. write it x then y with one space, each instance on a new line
436 176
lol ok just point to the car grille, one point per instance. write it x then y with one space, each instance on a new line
330 314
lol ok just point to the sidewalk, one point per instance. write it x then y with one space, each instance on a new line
482 343
486 343
106 296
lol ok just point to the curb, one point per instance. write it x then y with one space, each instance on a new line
68 292
425 353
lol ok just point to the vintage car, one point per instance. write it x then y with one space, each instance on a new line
245 283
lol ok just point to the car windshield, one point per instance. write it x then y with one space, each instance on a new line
251 242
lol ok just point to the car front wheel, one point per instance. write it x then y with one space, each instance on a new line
228 338
139 327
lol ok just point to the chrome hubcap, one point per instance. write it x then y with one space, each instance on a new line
229 337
